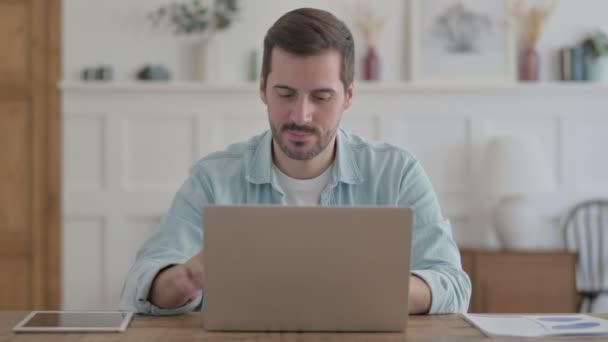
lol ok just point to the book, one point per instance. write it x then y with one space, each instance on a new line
565 55
538 325
578 63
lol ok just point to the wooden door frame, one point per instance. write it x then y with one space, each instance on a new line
54 253
45 108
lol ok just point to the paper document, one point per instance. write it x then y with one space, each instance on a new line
538 325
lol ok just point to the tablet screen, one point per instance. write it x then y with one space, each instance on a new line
75 321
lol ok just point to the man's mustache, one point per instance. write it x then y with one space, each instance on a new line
294 127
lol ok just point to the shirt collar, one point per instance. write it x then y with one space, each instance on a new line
345 169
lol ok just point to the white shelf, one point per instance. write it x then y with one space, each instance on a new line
365 87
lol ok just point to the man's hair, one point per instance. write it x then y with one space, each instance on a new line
310 32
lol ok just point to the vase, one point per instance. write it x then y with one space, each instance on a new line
520 226
371 65
529 65
597 70
207 66
253 73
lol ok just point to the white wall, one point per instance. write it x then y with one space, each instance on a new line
116 32
112 204
128 146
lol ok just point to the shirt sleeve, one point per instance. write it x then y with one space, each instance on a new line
178 238
435 256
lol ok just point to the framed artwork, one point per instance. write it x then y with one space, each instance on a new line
461 41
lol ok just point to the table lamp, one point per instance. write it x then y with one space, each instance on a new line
518 168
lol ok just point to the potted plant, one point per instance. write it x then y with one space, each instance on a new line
202 18
596 53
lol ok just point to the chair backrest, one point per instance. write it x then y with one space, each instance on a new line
586 232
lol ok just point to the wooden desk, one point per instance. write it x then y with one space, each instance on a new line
189 328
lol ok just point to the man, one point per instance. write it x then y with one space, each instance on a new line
306 84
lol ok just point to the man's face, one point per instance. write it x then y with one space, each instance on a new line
305 100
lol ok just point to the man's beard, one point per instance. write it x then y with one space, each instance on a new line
323 141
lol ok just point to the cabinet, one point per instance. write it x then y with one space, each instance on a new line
521 282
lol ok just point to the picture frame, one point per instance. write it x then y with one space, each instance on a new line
461 42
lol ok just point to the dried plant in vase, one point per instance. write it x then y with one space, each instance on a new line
531 22
370 24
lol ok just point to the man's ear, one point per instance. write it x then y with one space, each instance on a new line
348 96
263 90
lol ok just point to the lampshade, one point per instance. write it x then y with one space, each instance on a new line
517 165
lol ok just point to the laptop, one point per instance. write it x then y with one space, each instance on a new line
279 268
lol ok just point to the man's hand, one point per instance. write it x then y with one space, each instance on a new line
175 286
420 296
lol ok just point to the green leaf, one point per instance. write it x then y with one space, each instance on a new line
232 5
221 21
188 16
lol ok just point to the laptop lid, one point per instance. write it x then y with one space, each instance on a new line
278 268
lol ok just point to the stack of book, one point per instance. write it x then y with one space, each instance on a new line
572 62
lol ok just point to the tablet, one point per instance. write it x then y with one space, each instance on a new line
74 321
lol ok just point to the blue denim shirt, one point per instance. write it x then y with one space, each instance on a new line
364 173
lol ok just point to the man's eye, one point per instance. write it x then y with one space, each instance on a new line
286 96
322 98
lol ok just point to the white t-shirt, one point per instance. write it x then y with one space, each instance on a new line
302 192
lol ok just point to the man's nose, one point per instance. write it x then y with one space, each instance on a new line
302 111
